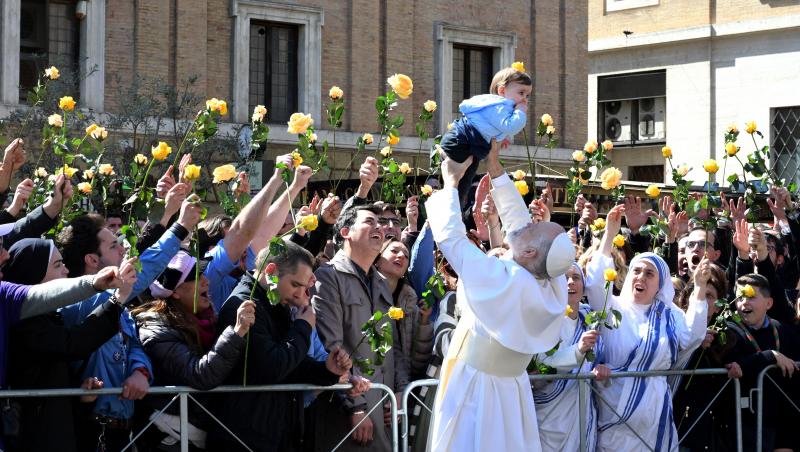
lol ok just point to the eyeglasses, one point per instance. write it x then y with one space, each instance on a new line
693 244
385 221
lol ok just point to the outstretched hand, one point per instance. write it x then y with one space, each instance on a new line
452 171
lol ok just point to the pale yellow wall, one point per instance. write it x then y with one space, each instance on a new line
680 14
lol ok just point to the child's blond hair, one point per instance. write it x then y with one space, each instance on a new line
509 75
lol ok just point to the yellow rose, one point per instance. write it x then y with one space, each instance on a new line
683 170
619 240
429 106
40 172
219 105
106 169
68 171
404 168
335 93
519 174
551 130
367 138
401 85
610 178
608 145
91 129
99 133
66 103
161 150
750 127
711 166
610 274
578 156
85 188
547 120
297 159
140 159
426 190
224 173
299 123
258 113
568 312
666 151
732 129
392 140
308 222
386 151
52 73
191 172
518 66
599 224
653 191
522 187
731 149
88 174
55 120
395 313
590 147
747 291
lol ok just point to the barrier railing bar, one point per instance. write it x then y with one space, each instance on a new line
160 412
380 403
220 423
582 415
430 410
184 422
705 410
737 387
760 410
620 418
404 401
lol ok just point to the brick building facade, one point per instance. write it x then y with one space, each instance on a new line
355 44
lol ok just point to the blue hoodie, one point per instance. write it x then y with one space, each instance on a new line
121 355
493 116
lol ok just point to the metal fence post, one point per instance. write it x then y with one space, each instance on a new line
760 408
184 400
737 387
582 414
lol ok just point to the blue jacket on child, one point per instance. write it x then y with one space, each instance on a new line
493 116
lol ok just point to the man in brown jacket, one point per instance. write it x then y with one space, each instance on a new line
347 292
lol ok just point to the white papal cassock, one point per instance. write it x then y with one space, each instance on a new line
484 401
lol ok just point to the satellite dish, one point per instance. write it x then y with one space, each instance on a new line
245 140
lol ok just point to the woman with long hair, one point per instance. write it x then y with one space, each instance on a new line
178 331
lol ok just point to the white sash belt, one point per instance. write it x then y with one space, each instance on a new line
489 356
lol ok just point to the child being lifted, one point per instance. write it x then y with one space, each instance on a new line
486 117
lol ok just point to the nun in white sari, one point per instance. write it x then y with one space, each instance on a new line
654 335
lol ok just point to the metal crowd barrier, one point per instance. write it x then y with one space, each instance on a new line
183 394
759 389
583 380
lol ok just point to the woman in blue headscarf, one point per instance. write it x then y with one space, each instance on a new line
654 335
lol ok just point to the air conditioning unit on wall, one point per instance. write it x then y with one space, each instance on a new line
633 121
652 115
617 121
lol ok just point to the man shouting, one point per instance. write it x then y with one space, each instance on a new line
511 308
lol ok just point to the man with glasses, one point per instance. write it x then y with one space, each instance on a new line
698 243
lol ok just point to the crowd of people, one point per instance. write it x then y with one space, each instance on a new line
78 311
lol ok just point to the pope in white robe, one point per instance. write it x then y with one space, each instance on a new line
484 401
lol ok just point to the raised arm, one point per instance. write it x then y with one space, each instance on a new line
508 202
247 222
276 214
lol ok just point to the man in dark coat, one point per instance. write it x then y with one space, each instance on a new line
278 354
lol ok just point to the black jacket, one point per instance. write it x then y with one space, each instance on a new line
41 349
33 225
278 354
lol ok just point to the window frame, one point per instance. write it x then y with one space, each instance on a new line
91 53
293 85
309 21
622 5
447 35
466 82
